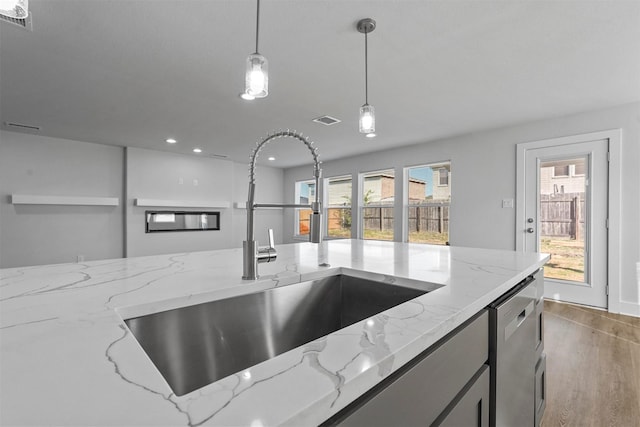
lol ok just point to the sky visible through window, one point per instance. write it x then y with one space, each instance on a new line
424 174
305 188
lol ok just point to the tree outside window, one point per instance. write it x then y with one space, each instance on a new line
338 207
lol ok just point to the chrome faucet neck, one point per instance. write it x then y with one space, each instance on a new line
252 254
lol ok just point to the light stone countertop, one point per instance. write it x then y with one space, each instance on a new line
67 358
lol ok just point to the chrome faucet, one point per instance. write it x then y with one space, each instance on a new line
252 255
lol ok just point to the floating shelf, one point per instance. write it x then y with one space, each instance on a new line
180 203
25 199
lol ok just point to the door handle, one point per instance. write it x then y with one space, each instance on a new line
530 230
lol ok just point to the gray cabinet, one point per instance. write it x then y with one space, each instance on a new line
516 347
443 382
541 358
472 408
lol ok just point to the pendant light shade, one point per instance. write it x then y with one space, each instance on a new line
367 112
367 119
14 9
257 76
256 81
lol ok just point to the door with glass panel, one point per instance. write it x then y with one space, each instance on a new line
428 201
566 205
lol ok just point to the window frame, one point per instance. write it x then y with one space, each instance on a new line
434 166
326 206
361 204
296 215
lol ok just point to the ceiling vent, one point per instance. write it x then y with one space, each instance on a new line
24 23
327 120
22 126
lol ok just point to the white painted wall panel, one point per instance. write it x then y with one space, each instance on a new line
50 234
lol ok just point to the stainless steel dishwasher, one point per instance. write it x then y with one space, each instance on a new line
512 355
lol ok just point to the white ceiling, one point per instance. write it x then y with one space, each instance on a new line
134 72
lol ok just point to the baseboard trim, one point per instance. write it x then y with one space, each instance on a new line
630 308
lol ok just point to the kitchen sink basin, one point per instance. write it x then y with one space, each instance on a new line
196 345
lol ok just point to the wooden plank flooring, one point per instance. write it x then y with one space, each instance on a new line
593 367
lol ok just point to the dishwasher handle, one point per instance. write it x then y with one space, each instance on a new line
516 321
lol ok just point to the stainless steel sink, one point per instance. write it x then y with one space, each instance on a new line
197 345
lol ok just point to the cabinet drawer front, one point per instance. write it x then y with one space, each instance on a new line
422 392
472 409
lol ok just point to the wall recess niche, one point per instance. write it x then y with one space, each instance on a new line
165 221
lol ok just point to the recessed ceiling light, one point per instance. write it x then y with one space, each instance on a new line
197 150
371 135
171 141
247 97
271 159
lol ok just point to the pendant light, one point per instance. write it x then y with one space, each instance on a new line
256 77
14 9
367 112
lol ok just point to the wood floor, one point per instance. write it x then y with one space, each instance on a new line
593 367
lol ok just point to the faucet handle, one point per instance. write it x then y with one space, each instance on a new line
267 253
272 244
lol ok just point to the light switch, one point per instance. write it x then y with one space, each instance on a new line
507 203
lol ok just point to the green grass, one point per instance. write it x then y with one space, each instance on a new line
414 237
378 234
567 258
430 237
343 233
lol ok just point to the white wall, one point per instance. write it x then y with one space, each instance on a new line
167 176
41 234
162 175
49 234
484 172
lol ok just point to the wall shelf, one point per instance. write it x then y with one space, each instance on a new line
180 203
26 199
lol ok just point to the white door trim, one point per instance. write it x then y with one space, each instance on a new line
614 136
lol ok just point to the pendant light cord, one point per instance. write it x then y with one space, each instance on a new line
257 24
366 70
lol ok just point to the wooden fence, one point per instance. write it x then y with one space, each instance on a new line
562 215
378 218
433 217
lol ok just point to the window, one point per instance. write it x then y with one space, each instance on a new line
561 170
579 167
305 194
377 205
338 207
443 174
428 205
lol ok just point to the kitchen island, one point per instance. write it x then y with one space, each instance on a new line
67 357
